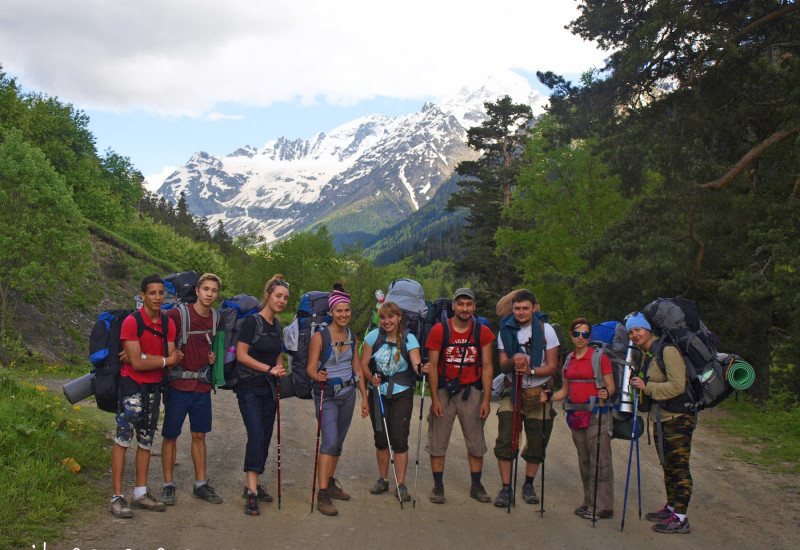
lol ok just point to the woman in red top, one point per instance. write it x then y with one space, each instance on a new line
580 388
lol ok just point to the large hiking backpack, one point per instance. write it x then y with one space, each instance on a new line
179 288
678 324
232 315
104 349
410 298
312 315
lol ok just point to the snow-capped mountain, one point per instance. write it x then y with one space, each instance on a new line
358 179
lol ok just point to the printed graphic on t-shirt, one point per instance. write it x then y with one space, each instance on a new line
453 353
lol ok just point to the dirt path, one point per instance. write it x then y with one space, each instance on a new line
734 504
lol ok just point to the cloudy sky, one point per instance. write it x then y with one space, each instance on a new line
161 79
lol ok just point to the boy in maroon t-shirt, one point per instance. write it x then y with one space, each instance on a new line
140 378
191 393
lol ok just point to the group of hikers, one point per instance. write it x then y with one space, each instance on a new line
459 369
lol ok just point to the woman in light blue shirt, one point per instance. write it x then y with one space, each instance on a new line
394 362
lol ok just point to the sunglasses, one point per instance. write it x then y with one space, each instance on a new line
581 334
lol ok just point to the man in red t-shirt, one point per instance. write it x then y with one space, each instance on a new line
463 379
189 390
148 350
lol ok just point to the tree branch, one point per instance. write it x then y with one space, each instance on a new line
692 236
793 196
749 157
741 34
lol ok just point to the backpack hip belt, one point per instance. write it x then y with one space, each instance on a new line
337 384
203 374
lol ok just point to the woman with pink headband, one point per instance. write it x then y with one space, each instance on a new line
336 369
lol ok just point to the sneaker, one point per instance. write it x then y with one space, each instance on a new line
437 494
335 490
673 524
325 504
262 494
529 494
503 498
661 515
251 506
381 486
168 495
581 509
602 514
148 502
403 490
119 507
207 493
479 493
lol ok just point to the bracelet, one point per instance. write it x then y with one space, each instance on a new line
163 362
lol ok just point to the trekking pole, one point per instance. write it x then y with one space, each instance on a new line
279 443
419 440
514 439
544 412
389 444
597 462
635 435
316 453
628 476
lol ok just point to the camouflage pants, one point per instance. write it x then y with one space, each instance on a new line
677 435
137 421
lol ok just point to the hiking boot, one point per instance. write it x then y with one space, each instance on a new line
168 495
119 507
381 486
661 515
673 524
403 490
325 504
529 494
335 490
148 502
602 514
437 494
207 493
251 505
503 499
581 509
479 493
262 494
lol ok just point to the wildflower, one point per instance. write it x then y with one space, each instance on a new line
76 407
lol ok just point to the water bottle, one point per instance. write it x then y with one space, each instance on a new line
379 296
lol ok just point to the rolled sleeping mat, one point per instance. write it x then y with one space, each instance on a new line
79 389
740 375
218 368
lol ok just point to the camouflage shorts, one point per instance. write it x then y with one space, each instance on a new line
131 420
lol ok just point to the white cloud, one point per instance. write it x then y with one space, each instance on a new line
154 181
180 57
214 116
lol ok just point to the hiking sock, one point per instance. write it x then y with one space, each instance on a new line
438 479
115 497
169 484
506 486
529 480
680 516
476 478
671 508
139 491
200 483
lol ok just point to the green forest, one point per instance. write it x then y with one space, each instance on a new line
672 170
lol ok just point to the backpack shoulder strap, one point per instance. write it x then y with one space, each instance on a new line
325 350
597 365
566 363
185 324
379 341
214 322
140 326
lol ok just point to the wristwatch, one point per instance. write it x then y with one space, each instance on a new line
533 371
